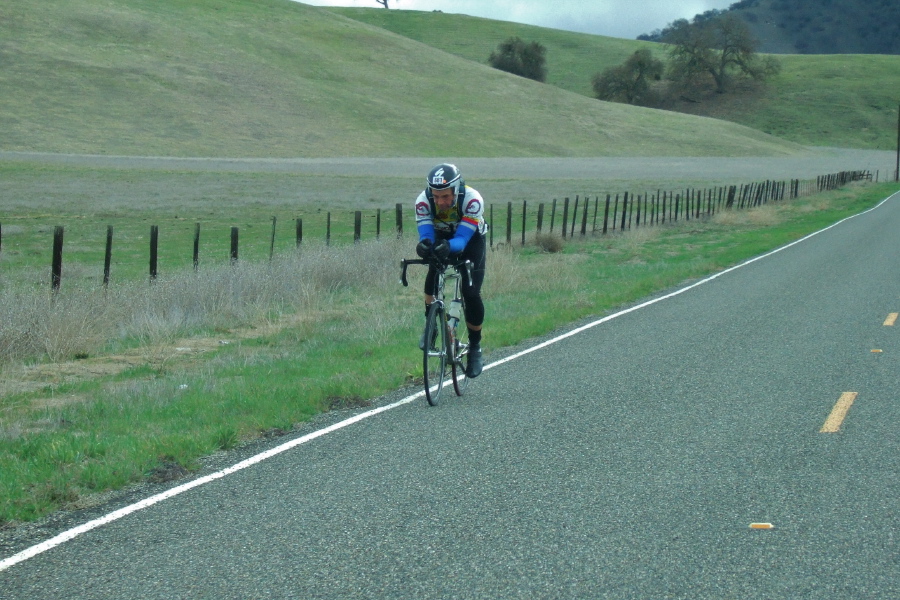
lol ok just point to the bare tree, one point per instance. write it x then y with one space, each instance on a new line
718 47
384 3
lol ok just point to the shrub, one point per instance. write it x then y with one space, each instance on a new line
548 242
520 58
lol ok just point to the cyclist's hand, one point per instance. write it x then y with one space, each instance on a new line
442 249
424 248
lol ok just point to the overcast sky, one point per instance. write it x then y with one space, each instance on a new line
617 18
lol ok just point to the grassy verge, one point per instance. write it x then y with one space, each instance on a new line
323 330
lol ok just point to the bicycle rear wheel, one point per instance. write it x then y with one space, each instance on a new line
434 357
459 353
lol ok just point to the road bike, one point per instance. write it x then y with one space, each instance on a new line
446 343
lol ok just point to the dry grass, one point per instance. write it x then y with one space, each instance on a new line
77 322
762 216
346 292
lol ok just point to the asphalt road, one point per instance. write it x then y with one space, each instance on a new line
625 461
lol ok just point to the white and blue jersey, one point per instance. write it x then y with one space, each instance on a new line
457 224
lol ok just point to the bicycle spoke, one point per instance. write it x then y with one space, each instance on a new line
459 352
434 359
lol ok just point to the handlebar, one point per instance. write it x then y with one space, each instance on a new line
440 265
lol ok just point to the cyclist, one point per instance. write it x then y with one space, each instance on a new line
450 220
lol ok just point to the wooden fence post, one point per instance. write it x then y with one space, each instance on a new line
399 220
299 232
196 246
606 215
328 230
378 224
491 228
508 223
540 217
524 220
234 245
897 171
574 218
357 226
107 256
56 268
624 210
631 214
615 213
272 242
553 215
565 223
584 217
154 251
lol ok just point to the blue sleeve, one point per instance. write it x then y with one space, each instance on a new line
458 242
426 231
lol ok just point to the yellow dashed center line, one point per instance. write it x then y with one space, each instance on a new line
891 319
838 413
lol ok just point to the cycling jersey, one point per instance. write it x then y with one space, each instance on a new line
457 224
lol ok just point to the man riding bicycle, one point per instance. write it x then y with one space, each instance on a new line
450 220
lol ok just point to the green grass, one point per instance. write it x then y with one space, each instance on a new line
833 100
572 58
276 78
61 444
86 200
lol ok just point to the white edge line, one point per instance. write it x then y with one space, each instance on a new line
258 458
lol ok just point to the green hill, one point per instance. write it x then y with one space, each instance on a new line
835 100
276 78
804 27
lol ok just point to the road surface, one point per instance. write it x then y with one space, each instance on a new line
627 460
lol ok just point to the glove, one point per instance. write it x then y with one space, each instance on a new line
442 249
424 248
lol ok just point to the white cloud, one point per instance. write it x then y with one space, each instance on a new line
618 18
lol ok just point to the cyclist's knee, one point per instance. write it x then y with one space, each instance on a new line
474 310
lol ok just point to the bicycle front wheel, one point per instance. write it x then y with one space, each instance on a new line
459 357
434 357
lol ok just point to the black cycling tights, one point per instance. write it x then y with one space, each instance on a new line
475 251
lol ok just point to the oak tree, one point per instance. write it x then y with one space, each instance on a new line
629 82
719 47
520 58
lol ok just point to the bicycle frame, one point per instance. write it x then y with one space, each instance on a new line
452 349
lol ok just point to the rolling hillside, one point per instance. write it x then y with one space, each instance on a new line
275 78
804 27
834 100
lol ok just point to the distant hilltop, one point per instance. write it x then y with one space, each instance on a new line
814 27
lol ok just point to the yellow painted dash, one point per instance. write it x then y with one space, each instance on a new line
761 526
838 413
891 319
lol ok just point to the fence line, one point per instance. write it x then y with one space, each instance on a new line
623 212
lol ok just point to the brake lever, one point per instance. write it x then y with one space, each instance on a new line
468 265
403 265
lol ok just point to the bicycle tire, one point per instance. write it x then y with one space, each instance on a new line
434 356
459 353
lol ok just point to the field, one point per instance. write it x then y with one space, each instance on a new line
827 100
275 78
106 106
208 360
